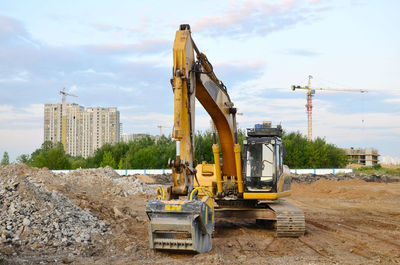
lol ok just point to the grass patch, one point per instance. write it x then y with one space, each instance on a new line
377 169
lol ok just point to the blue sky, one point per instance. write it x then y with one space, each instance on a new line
119 53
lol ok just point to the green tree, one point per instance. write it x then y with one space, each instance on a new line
24 159
295 145
77 162
301 153
203 147
147 152
108 160
122 164
6 159
50 156
56 159
145 158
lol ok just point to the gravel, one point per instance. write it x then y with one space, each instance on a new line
381 178
33 217
117 185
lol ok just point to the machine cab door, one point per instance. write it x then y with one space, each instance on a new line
263 164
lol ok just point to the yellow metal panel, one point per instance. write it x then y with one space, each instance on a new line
174 202
64 131
265 196
281 180
173 207
205 180
207 169
238 168
280 184
215 149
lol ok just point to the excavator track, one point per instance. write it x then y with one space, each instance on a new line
290 221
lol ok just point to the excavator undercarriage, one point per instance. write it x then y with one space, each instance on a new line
287 219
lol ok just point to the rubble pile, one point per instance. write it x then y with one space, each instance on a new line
116 184
33 217
380 178
163 179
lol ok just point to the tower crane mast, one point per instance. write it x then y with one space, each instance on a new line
310 94
64 117
160 127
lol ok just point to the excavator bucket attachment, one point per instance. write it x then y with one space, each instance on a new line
181 225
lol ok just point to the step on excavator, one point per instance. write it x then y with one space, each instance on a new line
249 186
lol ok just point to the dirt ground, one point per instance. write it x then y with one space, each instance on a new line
347 222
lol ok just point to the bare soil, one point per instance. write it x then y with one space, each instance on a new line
347 222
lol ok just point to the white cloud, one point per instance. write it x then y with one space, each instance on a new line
392 100
145 123
21 139
251 17
73 88
26 117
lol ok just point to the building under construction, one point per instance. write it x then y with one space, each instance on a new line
363 156
86 129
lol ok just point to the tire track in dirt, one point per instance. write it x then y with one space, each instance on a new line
354 232
360 245
311 247
371 235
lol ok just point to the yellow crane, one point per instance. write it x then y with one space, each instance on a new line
64 117
310 93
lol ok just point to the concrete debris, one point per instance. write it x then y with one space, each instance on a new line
117 185
310 178
32 217
96 172
48 212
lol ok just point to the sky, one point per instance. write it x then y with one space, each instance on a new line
119 54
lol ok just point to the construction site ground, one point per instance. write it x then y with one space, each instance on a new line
348 221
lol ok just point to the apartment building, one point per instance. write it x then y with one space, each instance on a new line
87 129
128 137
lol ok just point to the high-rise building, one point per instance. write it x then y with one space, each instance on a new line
126 137
87 129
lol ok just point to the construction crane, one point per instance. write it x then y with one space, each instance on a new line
310 93
64 117
160 127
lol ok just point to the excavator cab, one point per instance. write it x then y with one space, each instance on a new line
263 153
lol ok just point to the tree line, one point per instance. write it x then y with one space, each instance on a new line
150 153
301 153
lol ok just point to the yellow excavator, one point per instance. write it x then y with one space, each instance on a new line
182 216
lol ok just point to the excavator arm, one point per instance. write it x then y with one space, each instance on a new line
186 223
184 87
196 79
